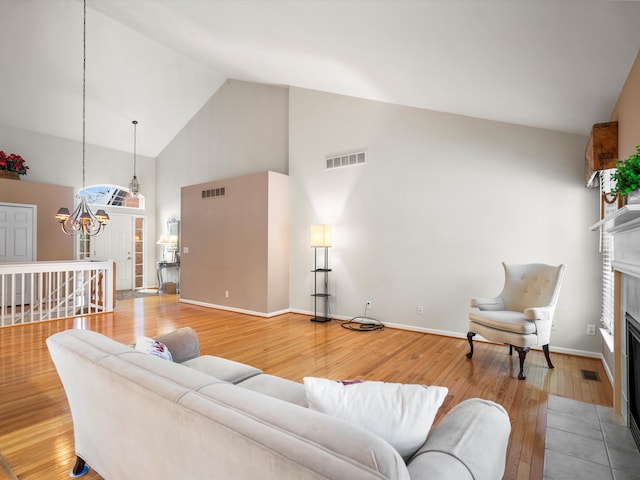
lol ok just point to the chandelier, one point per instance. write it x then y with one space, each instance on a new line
134 186
83 220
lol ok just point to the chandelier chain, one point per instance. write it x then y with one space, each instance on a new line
83 221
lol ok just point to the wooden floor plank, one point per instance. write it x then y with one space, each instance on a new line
34 415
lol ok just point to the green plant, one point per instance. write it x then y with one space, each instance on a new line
627 174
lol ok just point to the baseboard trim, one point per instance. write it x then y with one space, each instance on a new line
445 333
233 309
568 351
607 370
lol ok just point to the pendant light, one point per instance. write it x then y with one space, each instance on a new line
83 220
134 186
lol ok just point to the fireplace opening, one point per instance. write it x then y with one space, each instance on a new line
633 342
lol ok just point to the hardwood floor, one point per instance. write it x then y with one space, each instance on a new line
36 432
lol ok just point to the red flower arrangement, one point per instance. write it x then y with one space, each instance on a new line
13 163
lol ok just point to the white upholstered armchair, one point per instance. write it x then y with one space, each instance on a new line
521 315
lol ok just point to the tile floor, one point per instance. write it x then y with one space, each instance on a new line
588 442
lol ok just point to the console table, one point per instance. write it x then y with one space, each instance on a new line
161 272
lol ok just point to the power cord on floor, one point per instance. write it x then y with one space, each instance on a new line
362 323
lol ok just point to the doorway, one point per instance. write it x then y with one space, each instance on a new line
121 242
123 239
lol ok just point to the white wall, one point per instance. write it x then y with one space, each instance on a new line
58 161
441 202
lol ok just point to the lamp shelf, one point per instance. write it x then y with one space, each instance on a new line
321 237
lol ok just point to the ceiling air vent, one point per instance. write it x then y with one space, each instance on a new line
349 159
213 192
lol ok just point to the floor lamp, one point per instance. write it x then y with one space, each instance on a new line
321 237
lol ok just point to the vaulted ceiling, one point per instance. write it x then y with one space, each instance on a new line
552 64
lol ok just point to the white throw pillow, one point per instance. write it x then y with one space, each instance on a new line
153 347
401 414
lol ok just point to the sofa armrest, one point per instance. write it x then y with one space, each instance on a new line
494 303
182 343
469 442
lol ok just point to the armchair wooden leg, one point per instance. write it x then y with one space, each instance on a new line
522 353
470 336
545 349
510 349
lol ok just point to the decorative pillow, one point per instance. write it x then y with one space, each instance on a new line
401 414
153 347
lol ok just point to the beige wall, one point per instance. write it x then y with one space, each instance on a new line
278 238
237 243
52 244
627 113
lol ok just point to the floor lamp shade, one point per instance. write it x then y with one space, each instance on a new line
321 236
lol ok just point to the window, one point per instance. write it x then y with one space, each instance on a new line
138 236
112 196
608 206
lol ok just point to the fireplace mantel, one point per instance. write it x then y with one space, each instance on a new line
625 218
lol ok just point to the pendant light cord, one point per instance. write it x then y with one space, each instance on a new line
135 127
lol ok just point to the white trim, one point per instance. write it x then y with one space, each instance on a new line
621 220
608 338
232 309
607 370
629 268
446 333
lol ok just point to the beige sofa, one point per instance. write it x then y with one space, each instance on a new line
202 417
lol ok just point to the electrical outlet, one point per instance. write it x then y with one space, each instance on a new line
420 309
368 304
226 294
591 329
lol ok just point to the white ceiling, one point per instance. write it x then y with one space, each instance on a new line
556 64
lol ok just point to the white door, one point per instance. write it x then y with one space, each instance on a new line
17 231
116 243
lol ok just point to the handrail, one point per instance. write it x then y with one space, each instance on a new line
39 291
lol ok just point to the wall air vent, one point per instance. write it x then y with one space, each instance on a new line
213 192
349 159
